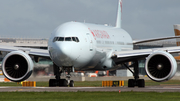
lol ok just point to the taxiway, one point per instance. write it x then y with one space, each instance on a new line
91 89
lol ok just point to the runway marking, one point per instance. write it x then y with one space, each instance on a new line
69 87
20 89
164 88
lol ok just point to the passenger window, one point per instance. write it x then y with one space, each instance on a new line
68 39
61 39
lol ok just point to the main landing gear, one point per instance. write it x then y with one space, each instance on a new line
61 82
136 81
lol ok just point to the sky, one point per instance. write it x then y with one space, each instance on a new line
142 19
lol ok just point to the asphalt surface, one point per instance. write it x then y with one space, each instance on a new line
91 89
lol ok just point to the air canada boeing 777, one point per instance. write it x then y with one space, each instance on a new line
83 46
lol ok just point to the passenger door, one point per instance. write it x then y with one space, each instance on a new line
90 42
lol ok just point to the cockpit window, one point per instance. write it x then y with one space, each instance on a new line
55 39
61 39
75 39
68 39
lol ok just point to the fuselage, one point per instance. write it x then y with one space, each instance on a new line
87 46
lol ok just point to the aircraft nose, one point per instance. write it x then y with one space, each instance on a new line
64 54
64 50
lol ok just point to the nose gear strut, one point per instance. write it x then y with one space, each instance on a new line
61 82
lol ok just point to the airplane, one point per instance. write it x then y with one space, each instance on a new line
177 33
84 46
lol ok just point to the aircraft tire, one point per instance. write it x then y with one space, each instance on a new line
53 83
65 83
131 83
71 84
141 83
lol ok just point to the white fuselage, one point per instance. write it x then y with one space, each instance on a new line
87 46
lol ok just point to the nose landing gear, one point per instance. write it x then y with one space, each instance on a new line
61 82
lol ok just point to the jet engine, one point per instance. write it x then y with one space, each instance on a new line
160 66
17 66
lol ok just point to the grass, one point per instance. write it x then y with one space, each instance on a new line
89 96
95 83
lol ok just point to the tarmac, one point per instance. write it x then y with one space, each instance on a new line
161 88
91 89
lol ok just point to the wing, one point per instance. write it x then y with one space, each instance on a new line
30 51
160 65
154 39
124 56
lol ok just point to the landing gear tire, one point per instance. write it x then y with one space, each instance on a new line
63 83
141 83
53 83
131 83
58 83
71 84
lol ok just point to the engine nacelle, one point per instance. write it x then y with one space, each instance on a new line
17 66
160 66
